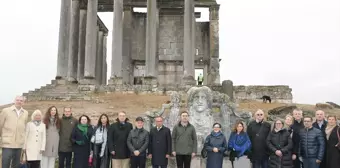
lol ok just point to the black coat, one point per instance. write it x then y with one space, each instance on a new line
138 139
312 143
333 154
117 139
258 136
322 128
280 141
81 152
215 160
296 127
160 145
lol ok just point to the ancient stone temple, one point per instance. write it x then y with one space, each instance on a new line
162 46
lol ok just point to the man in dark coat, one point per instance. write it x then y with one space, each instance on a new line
296 127
159 144
117 141
67 123
258 131
138 141
312 144
321 124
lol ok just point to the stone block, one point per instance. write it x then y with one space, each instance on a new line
228 88
87 88
116 81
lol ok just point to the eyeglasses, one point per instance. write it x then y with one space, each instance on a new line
307 121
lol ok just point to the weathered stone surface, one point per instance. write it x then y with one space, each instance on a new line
82 41
117 40
278 93
280 112
228 88
64 30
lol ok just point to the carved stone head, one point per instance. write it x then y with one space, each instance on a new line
200 99
175 98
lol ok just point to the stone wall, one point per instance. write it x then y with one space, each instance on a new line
278 93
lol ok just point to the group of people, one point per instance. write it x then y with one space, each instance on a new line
296 142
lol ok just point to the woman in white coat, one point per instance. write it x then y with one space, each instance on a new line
35 139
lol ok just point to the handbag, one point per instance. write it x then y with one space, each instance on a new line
23 160
338 144
204 152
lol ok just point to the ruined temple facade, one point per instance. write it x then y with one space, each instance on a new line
161 47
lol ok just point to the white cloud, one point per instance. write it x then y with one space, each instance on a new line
261 42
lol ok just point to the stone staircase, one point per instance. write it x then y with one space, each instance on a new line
54 91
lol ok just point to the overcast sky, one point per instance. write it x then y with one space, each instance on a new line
295 43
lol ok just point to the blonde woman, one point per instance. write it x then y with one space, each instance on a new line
35 139
289 123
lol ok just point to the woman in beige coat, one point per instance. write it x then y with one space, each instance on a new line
35 139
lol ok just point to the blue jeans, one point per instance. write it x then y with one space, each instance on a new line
11 155
310 163
260 163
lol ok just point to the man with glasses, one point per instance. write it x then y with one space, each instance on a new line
296 127
258 131
184 141
312 144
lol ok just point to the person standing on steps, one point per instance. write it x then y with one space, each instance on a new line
35 140
117 141
296 128
67 124
200 79
159 144
138 141
12 132
52 123
184 141
258 131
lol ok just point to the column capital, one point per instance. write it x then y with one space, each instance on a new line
83 5
214 12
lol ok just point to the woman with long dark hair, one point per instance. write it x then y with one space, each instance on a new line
99 143
280 146
239 146
80 137
332 132
52 122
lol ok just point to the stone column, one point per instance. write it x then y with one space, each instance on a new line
81 47
73 43
104 67
188 60
99 59
127 45
90 47
117 43
151 64
64 30
193 39
214 72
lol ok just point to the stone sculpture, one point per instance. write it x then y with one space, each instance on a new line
200 107
175 106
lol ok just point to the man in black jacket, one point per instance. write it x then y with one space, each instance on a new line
117 141
321 124
296 127
258 131
312 144
137 142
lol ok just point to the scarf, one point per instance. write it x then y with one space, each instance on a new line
37 123
83 129
328 130
239 142
216 134
52 120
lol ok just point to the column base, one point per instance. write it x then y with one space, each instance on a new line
189 81
72 80
62 82
115 81
88 81
150 80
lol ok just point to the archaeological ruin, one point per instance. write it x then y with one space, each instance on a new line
153 52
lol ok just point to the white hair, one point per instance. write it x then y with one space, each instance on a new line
36 112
